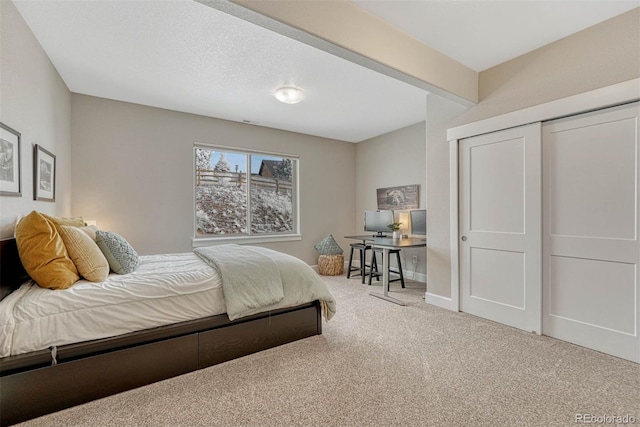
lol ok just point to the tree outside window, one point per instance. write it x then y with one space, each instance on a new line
223 205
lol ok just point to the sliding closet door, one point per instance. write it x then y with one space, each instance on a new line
500 245
590 230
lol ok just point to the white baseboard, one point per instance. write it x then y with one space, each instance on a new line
408 274
418 277
437 300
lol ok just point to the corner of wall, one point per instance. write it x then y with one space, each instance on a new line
37 103
599 56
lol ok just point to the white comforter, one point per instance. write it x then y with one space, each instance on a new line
164 289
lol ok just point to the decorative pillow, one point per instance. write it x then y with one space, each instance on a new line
328 246
121 256
57 221
85 254
90 230
43 253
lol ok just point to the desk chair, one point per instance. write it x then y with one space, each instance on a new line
362 249
377 273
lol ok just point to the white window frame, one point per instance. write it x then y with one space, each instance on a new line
208 240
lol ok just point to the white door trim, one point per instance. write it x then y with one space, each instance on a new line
608 96
454 231
620 93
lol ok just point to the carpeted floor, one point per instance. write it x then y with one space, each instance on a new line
379 364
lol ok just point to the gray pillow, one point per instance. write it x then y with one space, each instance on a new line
328 246
121 256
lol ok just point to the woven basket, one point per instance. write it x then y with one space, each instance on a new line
331 265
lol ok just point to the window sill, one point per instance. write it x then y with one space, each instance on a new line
240 240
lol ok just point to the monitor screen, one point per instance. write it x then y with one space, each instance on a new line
377 221
418 222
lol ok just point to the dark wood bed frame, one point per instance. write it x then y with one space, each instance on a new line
31 384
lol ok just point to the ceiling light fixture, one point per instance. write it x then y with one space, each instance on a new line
289 94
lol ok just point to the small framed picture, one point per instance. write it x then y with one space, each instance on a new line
44 175
10 177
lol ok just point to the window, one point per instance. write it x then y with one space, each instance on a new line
241 194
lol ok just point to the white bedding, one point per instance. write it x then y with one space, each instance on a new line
164 289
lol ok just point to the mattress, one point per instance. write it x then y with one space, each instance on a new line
164 289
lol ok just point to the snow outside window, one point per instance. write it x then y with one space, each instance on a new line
239 194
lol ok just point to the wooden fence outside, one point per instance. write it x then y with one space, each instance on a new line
239 179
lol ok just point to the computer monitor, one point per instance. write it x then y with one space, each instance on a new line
418 222
377 221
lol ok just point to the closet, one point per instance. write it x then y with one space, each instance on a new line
548 228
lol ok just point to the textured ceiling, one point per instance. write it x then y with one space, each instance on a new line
184 56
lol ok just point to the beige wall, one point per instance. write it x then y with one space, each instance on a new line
440 114
599 56
417 154
133 173
35 102
389 160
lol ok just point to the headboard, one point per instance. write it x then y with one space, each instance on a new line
12 273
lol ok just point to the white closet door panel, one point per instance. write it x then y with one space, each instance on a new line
504 285
576 292
591 253
506 241
496 186
500 227
595 248
585 164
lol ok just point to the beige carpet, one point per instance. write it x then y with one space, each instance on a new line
379 364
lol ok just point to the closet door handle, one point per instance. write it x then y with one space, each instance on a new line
463 238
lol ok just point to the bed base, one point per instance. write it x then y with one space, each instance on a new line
32 386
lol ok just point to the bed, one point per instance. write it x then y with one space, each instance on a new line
40 373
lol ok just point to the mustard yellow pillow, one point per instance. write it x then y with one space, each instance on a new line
43 253
85 254
58 221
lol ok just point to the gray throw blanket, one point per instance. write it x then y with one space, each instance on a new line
256 279
249 279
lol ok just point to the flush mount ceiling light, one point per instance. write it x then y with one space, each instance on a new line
289 94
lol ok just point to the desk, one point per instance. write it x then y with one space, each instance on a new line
386 244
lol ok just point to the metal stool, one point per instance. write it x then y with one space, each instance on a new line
374 266
362 248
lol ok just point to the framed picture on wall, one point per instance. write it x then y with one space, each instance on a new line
10 177
44 175
402 197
